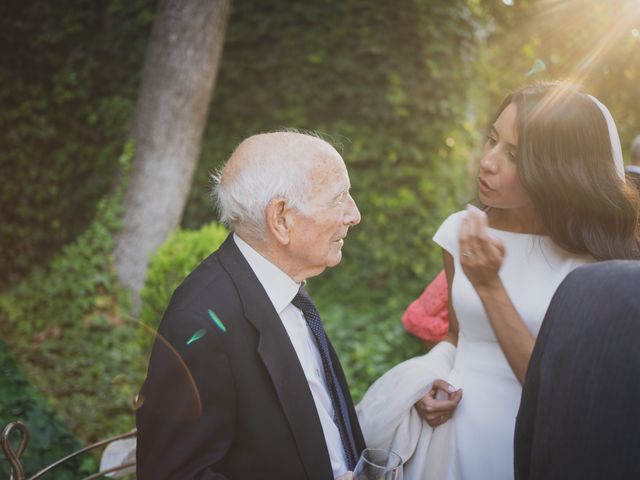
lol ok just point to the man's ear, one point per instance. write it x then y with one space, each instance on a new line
279 219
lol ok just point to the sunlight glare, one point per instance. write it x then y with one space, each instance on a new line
618 27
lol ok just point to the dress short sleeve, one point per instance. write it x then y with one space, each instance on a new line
447 235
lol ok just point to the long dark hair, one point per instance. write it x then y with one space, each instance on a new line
566 165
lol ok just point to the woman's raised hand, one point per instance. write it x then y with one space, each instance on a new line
438 405
481 254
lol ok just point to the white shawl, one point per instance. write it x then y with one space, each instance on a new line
389 420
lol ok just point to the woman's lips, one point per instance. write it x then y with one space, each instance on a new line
484 186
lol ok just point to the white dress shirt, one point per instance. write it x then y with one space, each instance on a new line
281 289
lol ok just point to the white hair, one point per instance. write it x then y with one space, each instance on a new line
277 165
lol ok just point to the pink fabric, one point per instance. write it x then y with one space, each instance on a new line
427 316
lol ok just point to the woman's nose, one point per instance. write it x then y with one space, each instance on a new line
489 162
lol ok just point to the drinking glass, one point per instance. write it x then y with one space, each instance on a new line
378 464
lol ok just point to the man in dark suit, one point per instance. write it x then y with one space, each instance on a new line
242 381
633 170
579 417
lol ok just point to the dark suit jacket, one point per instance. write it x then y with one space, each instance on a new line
232 404
580 412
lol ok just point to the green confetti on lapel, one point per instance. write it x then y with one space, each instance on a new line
216 320
196 336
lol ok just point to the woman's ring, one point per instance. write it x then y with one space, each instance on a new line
467 253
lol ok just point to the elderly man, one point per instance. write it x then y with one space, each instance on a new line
579 417
242 381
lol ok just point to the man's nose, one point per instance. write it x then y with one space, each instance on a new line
352 214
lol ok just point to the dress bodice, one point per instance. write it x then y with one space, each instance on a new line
532 269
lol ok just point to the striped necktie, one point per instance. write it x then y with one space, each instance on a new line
341 413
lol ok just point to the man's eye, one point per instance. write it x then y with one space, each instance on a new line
491 140
340 199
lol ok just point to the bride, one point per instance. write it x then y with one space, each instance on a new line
551 181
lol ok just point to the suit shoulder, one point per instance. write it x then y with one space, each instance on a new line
208 283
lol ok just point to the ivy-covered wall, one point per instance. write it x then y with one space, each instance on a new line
386 82
68 81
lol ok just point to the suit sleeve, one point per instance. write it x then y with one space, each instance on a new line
186 420
527 414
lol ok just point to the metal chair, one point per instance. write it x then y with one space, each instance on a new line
17 471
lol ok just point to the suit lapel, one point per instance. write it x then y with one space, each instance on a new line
280 359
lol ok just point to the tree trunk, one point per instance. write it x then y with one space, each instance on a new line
179 74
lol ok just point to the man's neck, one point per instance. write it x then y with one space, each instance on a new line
272 254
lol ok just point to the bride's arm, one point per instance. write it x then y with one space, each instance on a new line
452 336
437 411
481 266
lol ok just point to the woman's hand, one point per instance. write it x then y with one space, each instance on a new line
438 405
481 255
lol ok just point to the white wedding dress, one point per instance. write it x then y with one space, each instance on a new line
479 442
484 421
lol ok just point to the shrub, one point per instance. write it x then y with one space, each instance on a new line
67 326
173 261
49 439
368 337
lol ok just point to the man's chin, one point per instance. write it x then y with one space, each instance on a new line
334 259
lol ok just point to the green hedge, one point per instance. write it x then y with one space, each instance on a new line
173 261
67 326
49 439
368 337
